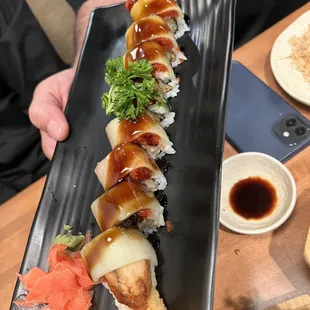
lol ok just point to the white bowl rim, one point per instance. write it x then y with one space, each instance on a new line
279 79
290 91
290 207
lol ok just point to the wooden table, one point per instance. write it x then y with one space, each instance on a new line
256 272
253 272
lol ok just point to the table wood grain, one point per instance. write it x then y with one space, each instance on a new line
267 270
297 303
256 272
16 218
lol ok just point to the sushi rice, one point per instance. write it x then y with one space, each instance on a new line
150 225
173 92
167 83
157 151
155 183
162 109
177 59
168 119
182 27
178 26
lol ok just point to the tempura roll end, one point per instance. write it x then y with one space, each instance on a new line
116 248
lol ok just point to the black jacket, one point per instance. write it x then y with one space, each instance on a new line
26 58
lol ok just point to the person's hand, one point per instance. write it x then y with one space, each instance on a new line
51 96
46 111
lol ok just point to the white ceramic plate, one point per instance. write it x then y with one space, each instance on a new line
252 164
284 72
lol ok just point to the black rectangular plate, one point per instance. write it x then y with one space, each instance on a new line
187 254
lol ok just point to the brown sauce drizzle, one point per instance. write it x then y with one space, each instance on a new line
140 174
148 138
128 160
127 197
91 255
151 51
157 7
146 29
131 131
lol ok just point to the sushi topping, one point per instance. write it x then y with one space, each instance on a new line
146 213
66 285
148 139
131 89
169 14
129 4
133 220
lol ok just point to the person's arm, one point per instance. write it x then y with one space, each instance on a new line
50 98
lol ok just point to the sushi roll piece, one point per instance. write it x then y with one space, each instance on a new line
145 131
163 111
128 205
169 10
154 29
129 161
167 83
124 261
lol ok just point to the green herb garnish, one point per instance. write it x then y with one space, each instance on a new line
131 89
67 227
74 243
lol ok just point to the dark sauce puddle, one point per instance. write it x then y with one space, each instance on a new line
253 198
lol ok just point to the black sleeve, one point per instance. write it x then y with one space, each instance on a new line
76 4
27 58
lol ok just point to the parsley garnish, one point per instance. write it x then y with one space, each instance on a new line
131 89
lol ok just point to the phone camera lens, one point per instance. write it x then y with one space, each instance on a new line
290 122
300 131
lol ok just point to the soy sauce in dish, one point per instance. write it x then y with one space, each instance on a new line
253 198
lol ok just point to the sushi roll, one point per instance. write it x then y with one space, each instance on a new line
167 83
124 261
128 205
129 161
145 131
169 10
154 28
162 110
